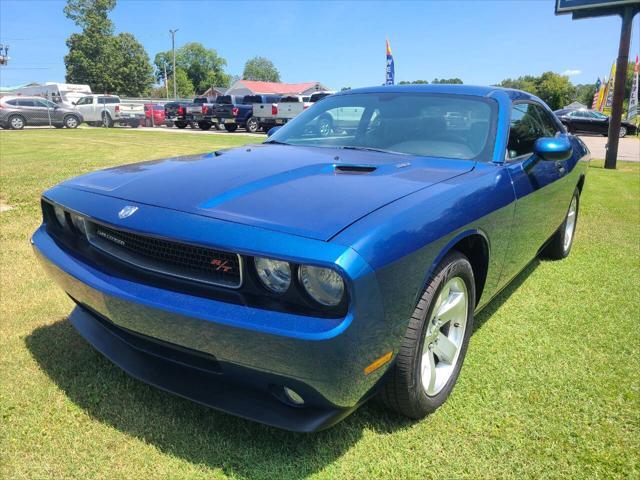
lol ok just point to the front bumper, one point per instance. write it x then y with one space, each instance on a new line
255 349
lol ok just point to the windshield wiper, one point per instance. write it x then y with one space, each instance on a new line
371 149
276 142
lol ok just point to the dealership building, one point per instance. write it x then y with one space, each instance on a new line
252 87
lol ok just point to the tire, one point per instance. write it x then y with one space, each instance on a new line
204 125
134 124
252 125
325 126
623 131
107 121
16 122
560 244
404 389
230 127
181 124
71 121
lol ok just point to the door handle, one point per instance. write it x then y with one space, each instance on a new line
560 167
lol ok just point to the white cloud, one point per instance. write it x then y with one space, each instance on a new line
571 72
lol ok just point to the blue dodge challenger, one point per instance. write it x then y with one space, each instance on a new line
288 282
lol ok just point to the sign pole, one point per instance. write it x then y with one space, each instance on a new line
618 89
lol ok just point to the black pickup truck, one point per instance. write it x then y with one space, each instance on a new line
201 112
176 113
234 111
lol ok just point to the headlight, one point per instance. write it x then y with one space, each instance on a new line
275 275
324 285
78 222
59 211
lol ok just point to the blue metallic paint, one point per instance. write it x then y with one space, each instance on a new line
385 233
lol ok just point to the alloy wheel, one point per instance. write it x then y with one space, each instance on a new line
17 123
570 223
444 336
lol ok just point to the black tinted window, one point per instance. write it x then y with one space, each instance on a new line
12 102
224 100
290 99
528 123
23 102
108 100
252 99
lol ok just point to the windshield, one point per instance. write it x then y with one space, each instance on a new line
451 126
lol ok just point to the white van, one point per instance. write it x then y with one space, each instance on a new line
65 94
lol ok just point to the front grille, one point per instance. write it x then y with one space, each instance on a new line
176 259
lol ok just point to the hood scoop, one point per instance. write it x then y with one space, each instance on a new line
354 169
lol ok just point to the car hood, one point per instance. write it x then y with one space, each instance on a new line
305 191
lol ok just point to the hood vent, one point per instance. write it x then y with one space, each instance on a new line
354 169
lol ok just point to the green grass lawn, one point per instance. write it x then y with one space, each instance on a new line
550 386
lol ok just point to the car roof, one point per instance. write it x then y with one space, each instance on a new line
28 97
474 90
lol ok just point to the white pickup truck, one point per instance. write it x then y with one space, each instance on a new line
108 110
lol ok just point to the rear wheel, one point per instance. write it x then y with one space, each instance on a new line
252 125
560 244
107 121
71 121
230 127
134 124
204 125
623 131
16 122
435 343
181 124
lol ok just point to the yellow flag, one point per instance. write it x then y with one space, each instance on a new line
607 101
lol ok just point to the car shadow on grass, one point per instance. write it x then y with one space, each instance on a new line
201 435
181 428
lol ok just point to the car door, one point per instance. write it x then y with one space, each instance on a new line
537 183
86 109
599 122
33 111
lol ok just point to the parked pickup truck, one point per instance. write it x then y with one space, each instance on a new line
176 113
231 112
265 107
201 112
291 106
108 110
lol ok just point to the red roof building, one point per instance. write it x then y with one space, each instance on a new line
253 87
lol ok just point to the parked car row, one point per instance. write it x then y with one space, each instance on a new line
251 112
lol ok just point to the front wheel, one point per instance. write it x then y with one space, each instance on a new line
435 343
230 127
204 125
181 124
560 244
623 131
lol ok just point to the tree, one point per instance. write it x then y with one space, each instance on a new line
554 89
260 68
413 82
184 87
583 93
453 81
107 63
203 67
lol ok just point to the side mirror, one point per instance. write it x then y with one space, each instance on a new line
553 148
273 130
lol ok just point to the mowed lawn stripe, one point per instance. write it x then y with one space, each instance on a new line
550 386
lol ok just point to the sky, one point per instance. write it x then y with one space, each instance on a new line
339 44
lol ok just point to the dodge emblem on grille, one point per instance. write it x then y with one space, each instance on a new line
127 211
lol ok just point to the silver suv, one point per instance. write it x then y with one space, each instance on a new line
18 112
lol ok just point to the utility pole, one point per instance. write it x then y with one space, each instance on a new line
618 89
173 48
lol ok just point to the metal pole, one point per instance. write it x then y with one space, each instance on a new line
618 89
173 47
166 82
